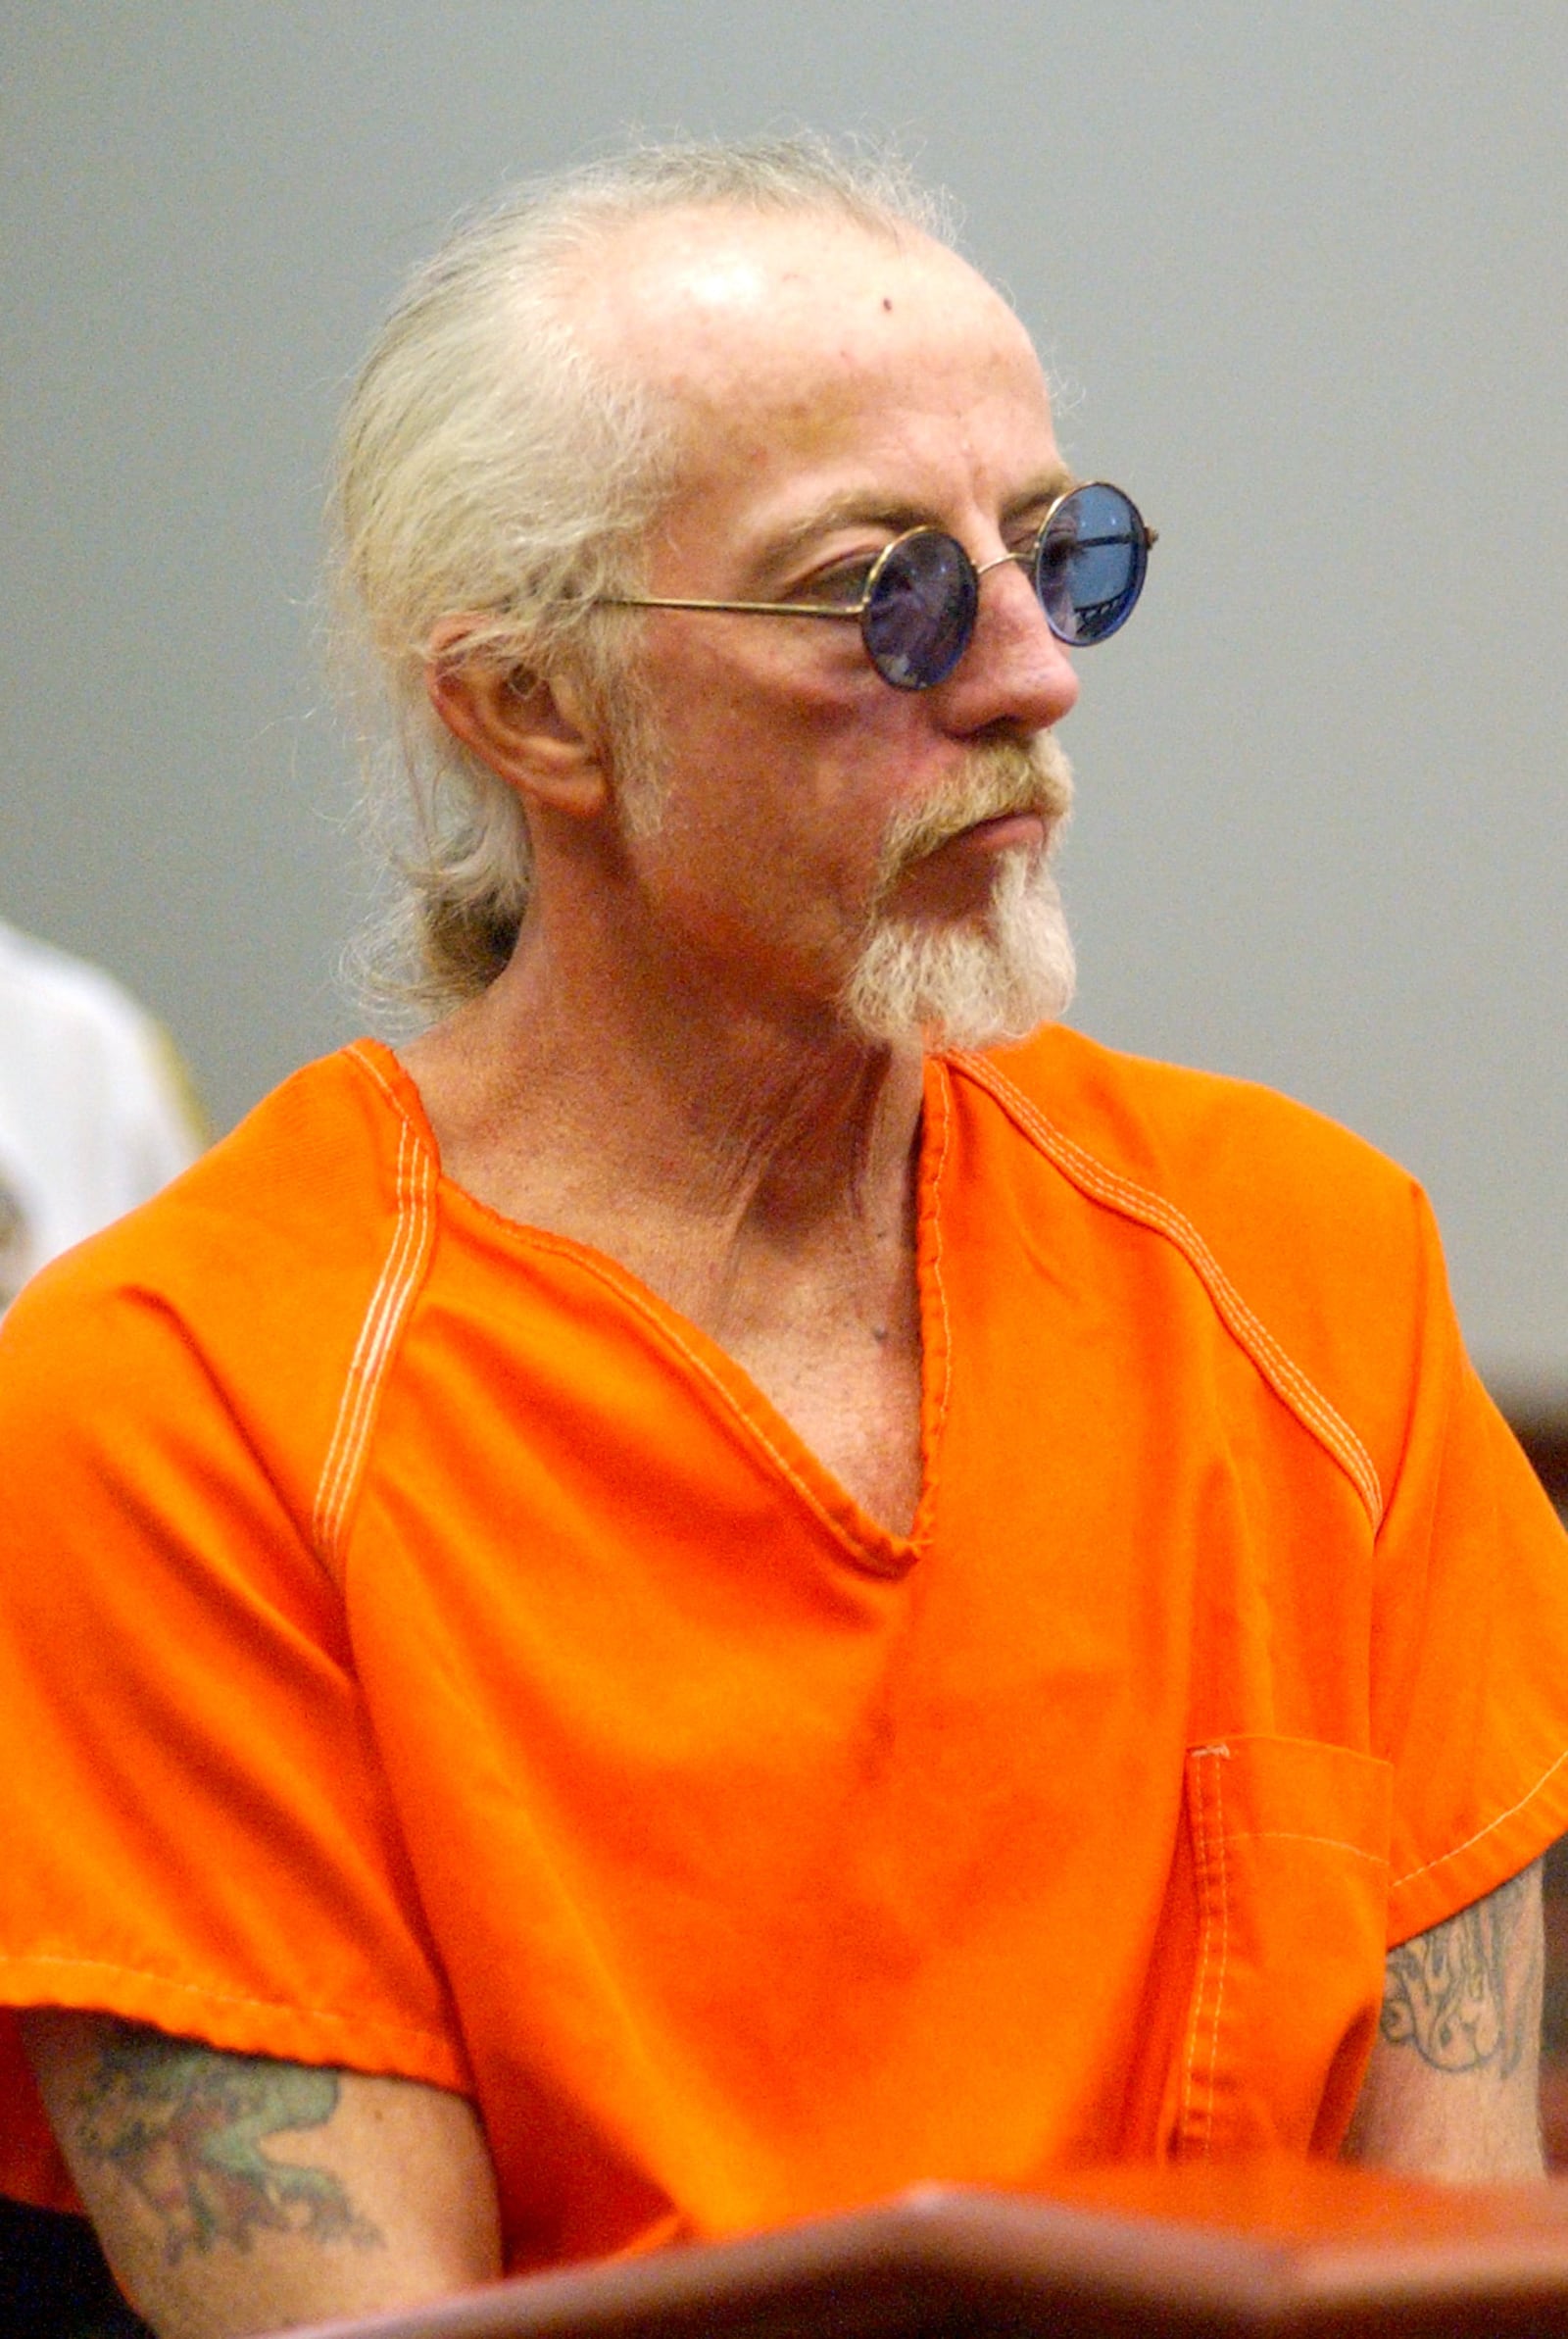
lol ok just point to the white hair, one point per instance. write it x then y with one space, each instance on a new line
488 464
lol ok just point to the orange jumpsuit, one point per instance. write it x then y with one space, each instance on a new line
421 1650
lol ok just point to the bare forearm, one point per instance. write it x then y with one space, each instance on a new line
236 2194
1452 2087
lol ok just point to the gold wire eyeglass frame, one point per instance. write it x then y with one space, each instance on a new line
1026 558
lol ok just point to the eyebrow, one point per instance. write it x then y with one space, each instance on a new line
1048 489
862 509
851 510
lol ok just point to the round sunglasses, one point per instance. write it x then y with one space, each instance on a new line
918 608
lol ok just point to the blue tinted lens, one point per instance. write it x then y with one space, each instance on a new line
1090 564
919 609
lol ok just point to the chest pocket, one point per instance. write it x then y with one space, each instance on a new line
1290 1845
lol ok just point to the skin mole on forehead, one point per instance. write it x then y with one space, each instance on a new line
887 303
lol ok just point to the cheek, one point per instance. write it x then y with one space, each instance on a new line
817 737
760 685
786 767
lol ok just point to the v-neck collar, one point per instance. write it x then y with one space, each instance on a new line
775 1443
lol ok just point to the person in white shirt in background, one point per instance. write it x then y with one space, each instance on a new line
95 1114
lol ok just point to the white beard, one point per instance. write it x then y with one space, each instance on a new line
998 976
1006 968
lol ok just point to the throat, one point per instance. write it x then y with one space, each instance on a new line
787 1235
852 1393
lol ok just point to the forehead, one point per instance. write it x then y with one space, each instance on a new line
798 347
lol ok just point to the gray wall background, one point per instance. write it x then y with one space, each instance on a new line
1300 261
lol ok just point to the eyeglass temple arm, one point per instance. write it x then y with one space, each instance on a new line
755 609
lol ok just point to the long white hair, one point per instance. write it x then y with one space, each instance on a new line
489 463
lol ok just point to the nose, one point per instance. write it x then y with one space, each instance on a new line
1014 670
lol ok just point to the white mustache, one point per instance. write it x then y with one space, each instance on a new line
997 779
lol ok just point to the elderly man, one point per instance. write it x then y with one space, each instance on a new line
727 1584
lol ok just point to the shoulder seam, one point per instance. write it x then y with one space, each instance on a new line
1411 1875
386 1312
1148 1208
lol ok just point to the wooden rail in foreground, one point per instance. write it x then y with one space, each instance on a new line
1262 2250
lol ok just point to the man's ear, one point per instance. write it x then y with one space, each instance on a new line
535 734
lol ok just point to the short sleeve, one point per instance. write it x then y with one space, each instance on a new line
196 1827
1470 1630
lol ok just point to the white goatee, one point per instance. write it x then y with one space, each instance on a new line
1000 972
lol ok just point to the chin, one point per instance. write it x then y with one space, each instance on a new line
975 983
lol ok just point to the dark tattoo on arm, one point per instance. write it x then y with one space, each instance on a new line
185 2127
1467 1994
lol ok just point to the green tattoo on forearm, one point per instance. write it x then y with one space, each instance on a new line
1454 1993
185 2125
